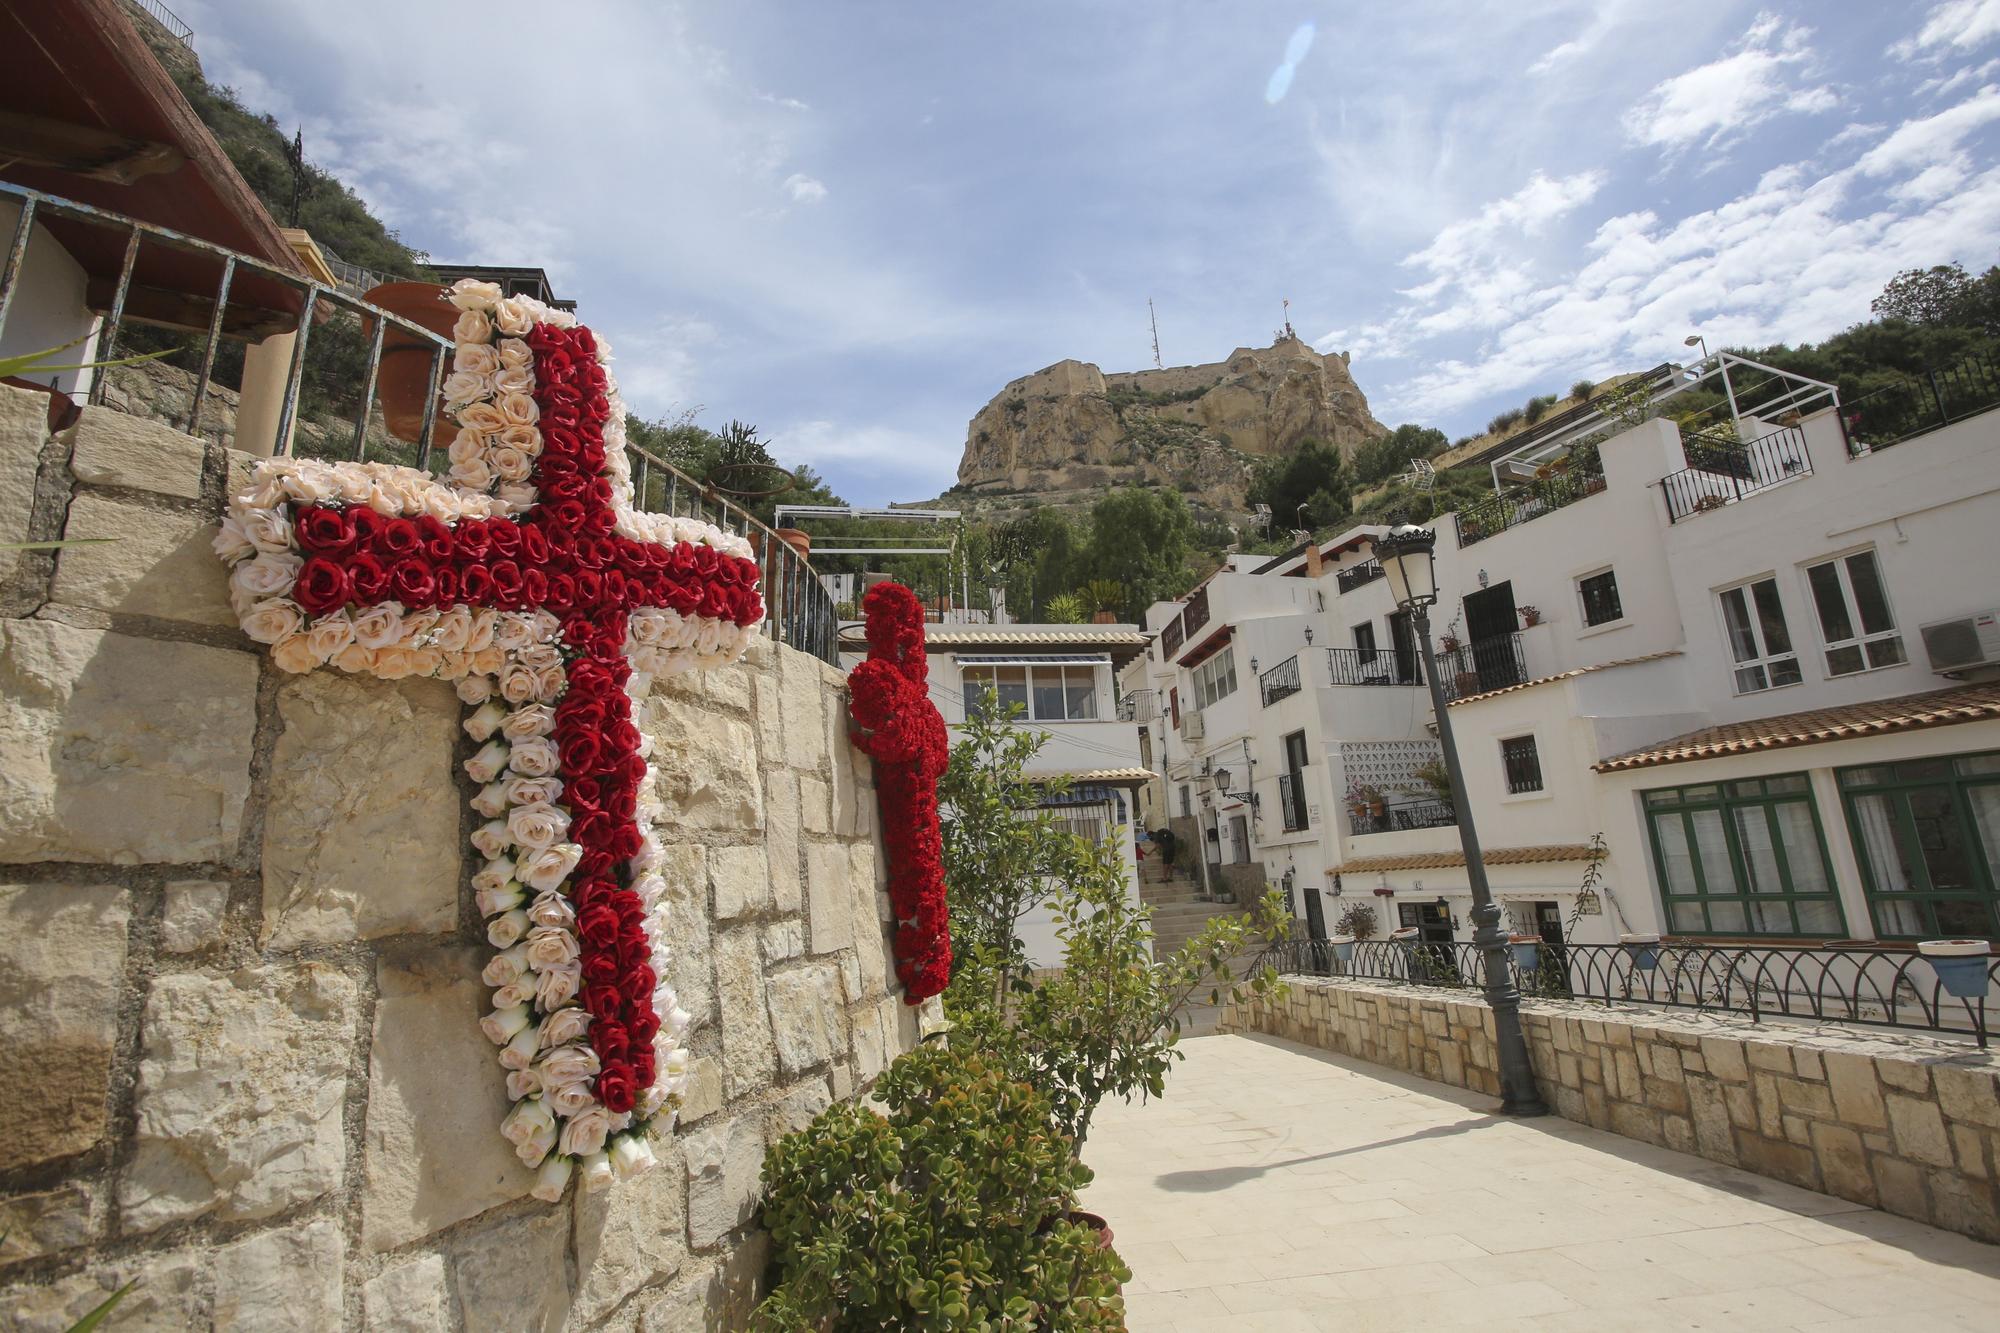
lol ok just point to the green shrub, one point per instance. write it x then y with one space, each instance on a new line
1581 390
947 1214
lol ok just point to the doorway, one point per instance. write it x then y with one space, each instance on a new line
1403 644
1551 975
1239 838
1490 622
1433 958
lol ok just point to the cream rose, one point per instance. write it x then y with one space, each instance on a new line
527 1119
552 909
268 529
518 409
380 626
294 653
528 722
504 897
537 758
472 689
506 929
524 1083
520 1052
484 417
513 318
467 445
495 873
476 359
570 1098
515 992
551 946
631 1156
356 659
545 869
527 791
537 826
501 1025
267 574
525 438
461 387
396 663
486 765
557 986
473 294
492 838
473 472
231 543
452 629
514 352
565 1026
552 1179
596 1172
508 463
509 380
506 967
584 1132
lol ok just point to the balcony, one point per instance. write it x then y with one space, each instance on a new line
1280 682
1171 639
1292 802
1405 816
1359 576
1569 479
1371 666
1483 665
1918 404
1139 706
1196 614
1721 472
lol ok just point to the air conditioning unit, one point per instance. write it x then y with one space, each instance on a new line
1963 644
1191 726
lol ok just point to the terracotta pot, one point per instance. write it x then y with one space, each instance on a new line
1466 682
402 383
799 541
1094 1222
1104 618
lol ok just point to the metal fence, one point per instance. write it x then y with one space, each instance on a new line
1914 405
1280 682
1491 663
1358 576
799 610
1292 802
1403 816
169 20
1583 476
1139 706
1721 472
1371 666
1873 987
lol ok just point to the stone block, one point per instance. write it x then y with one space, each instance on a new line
627 1238
1809 1099
1908 1075
829 920
513 1276
191 918
728 686
742 880
689 966
1777 1158
1969 1093
783 941
808 1020
112 448
118 749
281 1281
703 1097
806 704
1795 1129
45 1222
1963 1205
1969 1146
1627 1066
1919 1130
155 564
1724 1058
749 1058
1808 1064
724 1163
1669 1097
164 1298
431 1153
1899 1187
1742 1104
242 1087
24 426
1636 1122
1857 1097
62 967
409 1298
1769 1109
361 835
1843 1163
770 720
706 778
796 1109
781 838
815 806
1770 1056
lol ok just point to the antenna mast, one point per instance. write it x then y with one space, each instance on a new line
1152 315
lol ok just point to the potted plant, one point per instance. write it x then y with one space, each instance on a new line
1527 951
1103 597
1530 616
1357 922
1643 949
1961 965
1363 800
1343 947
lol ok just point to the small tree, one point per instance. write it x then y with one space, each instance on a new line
1065 609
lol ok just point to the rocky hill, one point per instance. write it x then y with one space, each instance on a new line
1066 434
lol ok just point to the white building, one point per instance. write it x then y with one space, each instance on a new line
1063 678
1734 672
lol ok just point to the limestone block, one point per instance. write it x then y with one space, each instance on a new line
1808 1099
770 718
689 967
796 1109
62 964
748 1057
1725 1060
112 448
1970 1094
1808 1063
1843 1163
157 564
708 777
871 935
431 1153
361 834
781 838
192 917
1857 1097
1909 1075
409 1298
163 1299
24 425
1959 1204
783 940
1778 1159
829 919
853 807
1919 1130
512 1277
281 1281
723 1166
803 702
1899 1187
728 686
242 1082
121 749
45 1222
742 879
1970 1148
815 806
807 1018
703 1097
629 1237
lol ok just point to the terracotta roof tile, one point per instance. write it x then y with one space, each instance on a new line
1564 675
1877 717
959 636
1108 776
1494 856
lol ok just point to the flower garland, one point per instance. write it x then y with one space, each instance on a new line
531 581
897 724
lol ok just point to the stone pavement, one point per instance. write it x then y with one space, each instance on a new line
1278 1187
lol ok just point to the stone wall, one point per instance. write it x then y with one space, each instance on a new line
1897 1122
239 960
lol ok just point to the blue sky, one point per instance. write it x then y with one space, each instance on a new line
852 223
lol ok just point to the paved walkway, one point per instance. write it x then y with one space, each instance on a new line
1281 1188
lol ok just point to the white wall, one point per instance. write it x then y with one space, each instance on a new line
48 309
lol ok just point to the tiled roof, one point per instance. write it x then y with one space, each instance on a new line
1877 717
983 636
1108 776
1494 856
1564 675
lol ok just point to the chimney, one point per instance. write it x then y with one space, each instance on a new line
1315 567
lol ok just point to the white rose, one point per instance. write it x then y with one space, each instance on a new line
473 688
453 628
476 359
517 495
632 1156
460 388
380 626
651 889
486 765
312 485
495 873
506 929
504 897
537 758
543 870
528 722
501 1025
514 352
549 682
537 826
583 1133
490 801
356 659
534 1152
294 653
268 529
515 992
473 472
492 838
525 1083
552 1179
518 409
466 446
557 986
570 1098
512 631
268 574
472 294
552 909
550 946
569 1063
527 1119
527 791
597 1173
649 1104
484 720
506 967
513 318
231 543
565 1026
509 464
520 1052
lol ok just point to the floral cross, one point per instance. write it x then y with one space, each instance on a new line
529 578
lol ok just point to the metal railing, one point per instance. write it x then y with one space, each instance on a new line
1720 472
1280 682
1139 706
799 610
1918 404
1196 613
1864 985
169 20
1171 639
1371 666
351 277
1404 816
1484 664
1531 500
1358 576
1292 802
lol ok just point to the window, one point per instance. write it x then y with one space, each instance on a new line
1292 784
1215 679
1047 692
1364 642
1854 620
1600 598
1927 833
1003 687
1759 642
1187 801
1743 858
1523 764
1145 747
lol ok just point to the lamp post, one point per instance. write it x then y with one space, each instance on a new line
1406 554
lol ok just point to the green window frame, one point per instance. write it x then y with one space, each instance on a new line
1927 836
1743 858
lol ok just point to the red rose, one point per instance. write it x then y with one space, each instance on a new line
399 537
598 925
638 984
580 752
324 531
368 526
414 584
595 862
604 1002
644 1026
438 544
633 948
473 542
505 537
616 1087
534 588
506 583
475 585
534 546
594 891
447 587
623 842
561 594
601 969
368 575
322 585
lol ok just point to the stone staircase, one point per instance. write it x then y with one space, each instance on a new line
1179 913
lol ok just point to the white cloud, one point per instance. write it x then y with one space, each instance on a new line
804 189
1714 103
1917 144
1605 18
1958 24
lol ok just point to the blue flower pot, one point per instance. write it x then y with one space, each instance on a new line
1644 951
1343 950
1527 954
1960 969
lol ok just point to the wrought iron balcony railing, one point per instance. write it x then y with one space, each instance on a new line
1280 682
1139 706
1358 576
1914 405
1484 664
1196 613
1580 476
1720 472
1292 802
1403 816
1371 666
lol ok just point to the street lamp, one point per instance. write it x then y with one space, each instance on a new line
1696 340
1407 555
